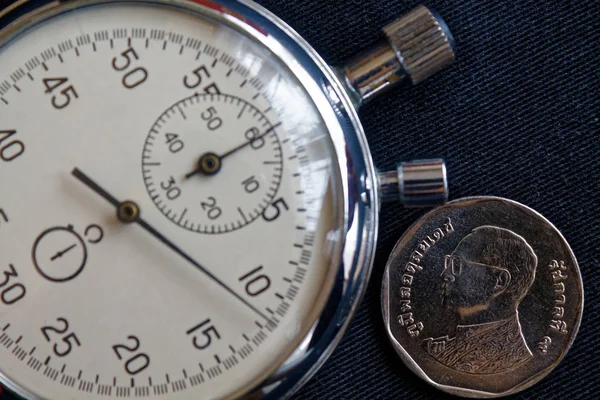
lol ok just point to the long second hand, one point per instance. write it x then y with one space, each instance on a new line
112 200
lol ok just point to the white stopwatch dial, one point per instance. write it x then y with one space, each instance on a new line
167 218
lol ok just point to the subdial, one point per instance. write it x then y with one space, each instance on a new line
212 163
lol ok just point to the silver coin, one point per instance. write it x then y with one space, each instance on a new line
482 297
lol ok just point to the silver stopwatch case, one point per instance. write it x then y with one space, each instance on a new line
337 93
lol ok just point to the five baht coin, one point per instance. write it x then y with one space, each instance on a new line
482 297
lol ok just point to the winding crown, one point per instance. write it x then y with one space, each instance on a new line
422 42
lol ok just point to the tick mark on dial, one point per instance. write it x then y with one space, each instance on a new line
242 111
182 113
242 214
182 215
47 360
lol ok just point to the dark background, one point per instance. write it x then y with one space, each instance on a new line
516 116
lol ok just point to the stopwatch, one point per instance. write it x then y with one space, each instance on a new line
188 206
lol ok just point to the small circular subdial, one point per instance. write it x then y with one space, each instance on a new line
212 163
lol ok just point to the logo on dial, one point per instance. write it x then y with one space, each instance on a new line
212 163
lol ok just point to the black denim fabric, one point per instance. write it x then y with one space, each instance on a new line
516 116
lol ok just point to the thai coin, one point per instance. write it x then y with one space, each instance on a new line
482 297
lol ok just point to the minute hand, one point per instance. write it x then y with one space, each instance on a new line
249 142
217 160
108 197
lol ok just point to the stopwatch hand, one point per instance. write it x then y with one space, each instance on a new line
210 163
129 212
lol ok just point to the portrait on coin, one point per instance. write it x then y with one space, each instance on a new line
484 280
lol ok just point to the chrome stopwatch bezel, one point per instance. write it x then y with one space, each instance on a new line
357 197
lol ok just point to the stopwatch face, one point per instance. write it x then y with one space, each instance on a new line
169 219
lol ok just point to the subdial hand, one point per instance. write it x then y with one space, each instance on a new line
129 212
210 163
63 252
